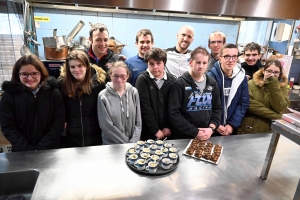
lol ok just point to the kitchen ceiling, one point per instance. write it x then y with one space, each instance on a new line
250 9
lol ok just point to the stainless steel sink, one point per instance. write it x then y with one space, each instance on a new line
18 183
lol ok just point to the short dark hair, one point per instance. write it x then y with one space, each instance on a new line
200 50
98 26
228 46
217 33
144 32
32 60
252 47
156 54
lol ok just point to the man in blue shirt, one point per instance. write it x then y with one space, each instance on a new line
136 64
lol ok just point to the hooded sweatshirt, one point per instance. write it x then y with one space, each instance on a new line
190 109
237 102
119 116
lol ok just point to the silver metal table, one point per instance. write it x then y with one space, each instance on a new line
101 172
286 129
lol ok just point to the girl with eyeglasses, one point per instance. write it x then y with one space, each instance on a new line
119 108
31 109
268 98
81 83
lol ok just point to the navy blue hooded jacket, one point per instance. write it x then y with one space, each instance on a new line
238 99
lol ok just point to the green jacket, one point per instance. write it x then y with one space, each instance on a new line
267 101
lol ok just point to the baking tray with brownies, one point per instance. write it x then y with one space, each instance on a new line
204 150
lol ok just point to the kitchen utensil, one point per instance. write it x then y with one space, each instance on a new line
84 41
75 31
52 54
24 51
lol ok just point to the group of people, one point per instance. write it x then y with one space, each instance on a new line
175 93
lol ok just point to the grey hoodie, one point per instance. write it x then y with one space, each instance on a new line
119 117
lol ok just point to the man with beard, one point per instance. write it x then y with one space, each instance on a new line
252 59
99 53
144 41
178 56
216 41
233 86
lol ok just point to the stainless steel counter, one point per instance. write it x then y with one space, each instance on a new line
101 172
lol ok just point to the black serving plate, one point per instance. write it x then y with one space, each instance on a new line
159 171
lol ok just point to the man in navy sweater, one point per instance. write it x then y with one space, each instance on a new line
144 41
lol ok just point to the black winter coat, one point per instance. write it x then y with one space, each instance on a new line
106 61
154 104
81 114
32 122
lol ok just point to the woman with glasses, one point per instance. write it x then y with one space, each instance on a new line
80 86
31 109
268 98
119 108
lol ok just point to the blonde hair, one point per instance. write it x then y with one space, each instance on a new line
117 65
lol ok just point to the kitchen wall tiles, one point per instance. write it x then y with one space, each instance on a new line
233 29
72 21
147 23
125 26
174 26
160 26
119 25
130 40
129 51
86 28
223 27
209 28
231 40
58 21
160 41
199 28
134 25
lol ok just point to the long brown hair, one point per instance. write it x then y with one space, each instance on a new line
32 60
275 62
70 85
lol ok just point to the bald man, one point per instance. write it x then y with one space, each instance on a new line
178 56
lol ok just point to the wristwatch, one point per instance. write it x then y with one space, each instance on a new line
212 128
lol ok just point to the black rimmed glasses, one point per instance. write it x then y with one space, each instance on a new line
276 73
228 57
26 75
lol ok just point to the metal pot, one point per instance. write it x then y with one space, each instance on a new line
53 54
84 41
55 41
